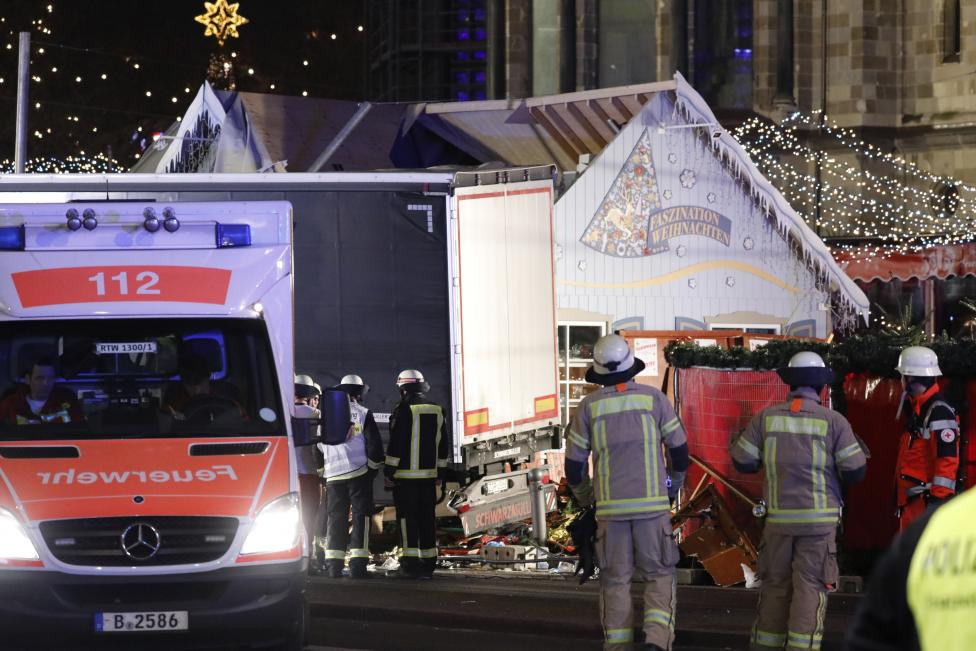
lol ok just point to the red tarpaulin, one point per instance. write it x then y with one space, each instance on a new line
938 262
716 405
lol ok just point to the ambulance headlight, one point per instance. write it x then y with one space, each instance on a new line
277 528
15 545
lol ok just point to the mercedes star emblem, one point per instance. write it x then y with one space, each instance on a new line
140 541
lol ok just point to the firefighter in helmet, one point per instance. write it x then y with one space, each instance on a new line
627 427
928 453
804 448
308 479
416 459
349 471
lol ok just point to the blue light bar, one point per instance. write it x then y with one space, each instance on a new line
12 238
231 235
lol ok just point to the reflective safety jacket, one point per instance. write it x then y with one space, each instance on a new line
362 451
802 446
928 453
419 444
922 587
624 427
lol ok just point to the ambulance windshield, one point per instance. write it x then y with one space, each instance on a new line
137 378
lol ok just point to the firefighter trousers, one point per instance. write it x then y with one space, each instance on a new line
647 546
797 571
415 500
310 491
340 496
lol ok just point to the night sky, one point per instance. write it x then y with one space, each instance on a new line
87 39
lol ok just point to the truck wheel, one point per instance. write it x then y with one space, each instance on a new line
299 630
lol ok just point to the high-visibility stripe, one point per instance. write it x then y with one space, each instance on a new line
352 474
647 458
428 552
403 532
374 465
772 487
359 553
748 448
943 424
619 635
658 616
796 425
335 554
442 463
392 461
944 482
802 516
629 507
578 440
366 534
671 425
818 463
416 474
604 458
765 638
848 452
410 552
803 640
615 404
655 488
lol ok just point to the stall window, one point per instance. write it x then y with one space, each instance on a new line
576 340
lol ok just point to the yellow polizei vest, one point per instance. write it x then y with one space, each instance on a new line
942 578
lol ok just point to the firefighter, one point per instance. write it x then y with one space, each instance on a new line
416 459
349 472
40 399
627 426
921 591
308 479
803 447
928 453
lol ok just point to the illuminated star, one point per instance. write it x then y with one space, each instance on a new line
221 20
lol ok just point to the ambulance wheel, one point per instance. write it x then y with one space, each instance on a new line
298 635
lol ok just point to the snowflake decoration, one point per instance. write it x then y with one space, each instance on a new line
692 283
667 194
687 179
581 265
680 251
672 158
559 252
748 244
711 197
730 281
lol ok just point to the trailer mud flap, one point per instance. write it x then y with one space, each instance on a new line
512 507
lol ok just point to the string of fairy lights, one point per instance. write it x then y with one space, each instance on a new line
82 164
897 204
62 72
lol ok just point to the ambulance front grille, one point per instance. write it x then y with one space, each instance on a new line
151 540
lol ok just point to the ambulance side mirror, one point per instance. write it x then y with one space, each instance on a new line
332 428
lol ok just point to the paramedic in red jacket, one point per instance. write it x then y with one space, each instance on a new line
39 400
928 454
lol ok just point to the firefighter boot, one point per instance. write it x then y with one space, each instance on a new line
357 568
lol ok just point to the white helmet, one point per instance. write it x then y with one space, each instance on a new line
305 386
412 379
354 386
918 361
807 369
613 361
806 359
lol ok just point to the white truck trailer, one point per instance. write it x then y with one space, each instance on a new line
447 272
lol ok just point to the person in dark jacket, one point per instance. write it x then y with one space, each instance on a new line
416 459
922 593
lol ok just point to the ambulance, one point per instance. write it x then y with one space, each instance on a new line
148 486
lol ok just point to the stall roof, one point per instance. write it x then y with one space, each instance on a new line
535 130
937 262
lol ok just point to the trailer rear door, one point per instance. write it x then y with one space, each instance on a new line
504 310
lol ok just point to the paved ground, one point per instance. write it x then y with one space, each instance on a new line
500 610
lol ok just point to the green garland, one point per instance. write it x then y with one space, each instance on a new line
873 354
